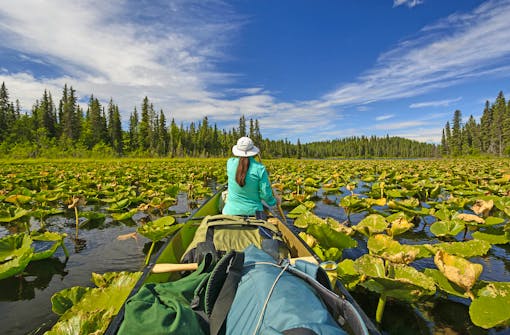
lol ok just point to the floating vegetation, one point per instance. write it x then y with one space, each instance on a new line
385 219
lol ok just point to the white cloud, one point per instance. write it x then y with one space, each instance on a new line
460 48
385 117
437 103
400 125
408 3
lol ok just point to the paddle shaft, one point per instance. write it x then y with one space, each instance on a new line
176 267
278 206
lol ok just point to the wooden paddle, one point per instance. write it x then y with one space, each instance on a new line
278 206
175 267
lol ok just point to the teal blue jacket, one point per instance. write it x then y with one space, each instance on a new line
247 200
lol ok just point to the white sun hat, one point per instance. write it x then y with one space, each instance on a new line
245 148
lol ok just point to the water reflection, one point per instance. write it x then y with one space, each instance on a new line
37 275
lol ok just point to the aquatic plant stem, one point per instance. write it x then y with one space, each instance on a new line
149 253
77 220
380 308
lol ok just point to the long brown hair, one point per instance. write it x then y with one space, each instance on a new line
242 170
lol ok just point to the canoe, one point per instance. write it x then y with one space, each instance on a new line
172 251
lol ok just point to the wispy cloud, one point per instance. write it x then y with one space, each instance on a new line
401 125
112 47
445 54
385 117
408 3
437 103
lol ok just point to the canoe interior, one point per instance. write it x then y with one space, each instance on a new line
174 250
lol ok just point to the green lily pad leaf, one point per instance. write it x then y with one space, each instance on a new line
48 236
15 254
18 199
371 266
372 224
491 220
159 229
12 214
407 203
393 193
91 215
352 202
391 250
124 216
426 250
309 239
347 273
301 209
491 308
46 253
65 299
306 219
319 252
458 270
93 322
503 238
57 238
335 225
329 238
466 249
447 228
332 254
399 224
85 303
402 282
444 214
503 204
444 284
119 205
44 212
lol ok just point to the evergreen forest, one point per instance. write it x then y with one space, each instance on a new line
61 128
489 136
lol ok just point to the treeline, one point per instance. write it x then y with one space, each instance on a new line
61 128
489 136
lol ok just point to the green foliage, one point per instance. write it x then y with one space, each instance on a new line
89 310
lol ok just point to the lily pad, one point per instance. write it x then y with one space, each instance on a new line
347 273
502 238
402 282
465 249
444 284
301 209
12 214
309 239
329 238
391 250
160 228
306 219
372 224
124 216
491 308
447 228
399 224
80 306
458 270
15 254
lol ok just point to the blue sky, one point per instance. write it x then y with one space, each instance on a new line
312 70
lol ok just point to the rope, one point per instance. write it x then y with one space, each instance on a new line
264 307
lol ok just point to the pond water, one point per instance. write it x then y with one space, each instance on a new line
25 303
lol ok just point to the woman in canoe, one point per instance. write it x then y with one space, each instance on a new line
248 182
